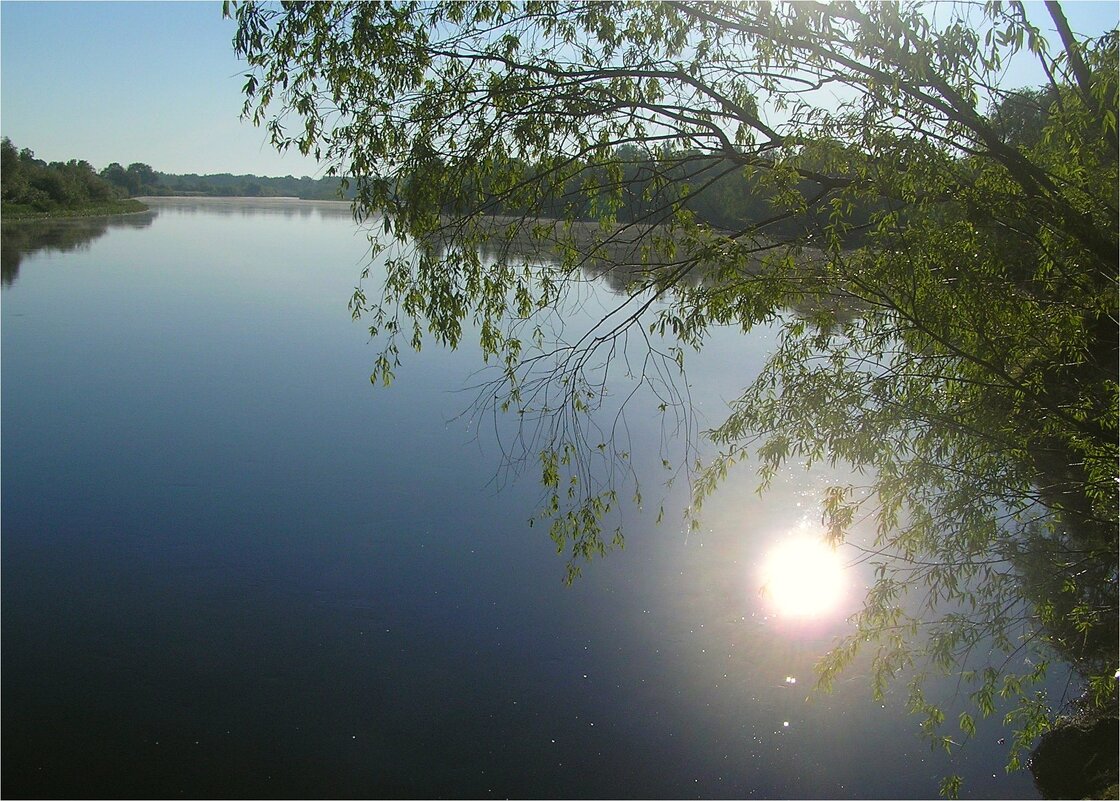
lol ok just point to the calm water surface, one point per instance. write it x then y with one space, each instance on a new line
232 567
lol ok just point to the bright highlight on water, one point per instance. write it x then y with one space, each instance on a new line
803 577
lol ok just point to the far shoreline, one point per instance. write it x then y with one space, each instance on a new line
117 209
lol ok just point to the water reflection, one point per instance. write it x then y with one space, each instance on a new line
803 577
21 238
251 207
637 256
230 568
617 258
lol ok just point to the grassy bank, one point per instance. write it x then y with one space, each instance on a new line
15 211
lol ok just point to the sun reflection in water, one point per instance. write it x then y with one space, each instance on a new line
803 577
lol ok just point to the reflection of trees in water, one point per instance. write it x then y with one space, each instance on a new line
1063 565
21 238
628 257
1048 560
622 257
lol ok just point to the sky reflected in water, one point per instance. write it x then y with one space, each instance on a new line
803 577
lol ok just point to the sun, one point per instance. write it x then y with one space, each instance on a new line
803 577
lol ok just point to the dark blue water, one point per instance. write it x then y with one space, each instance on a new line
231 567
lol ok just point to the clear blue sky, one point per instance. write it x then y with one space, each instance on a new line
158 82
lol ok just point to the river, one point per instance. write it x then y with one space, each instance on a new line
232 567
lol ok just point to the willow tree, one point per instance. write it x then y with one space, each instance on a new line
954 241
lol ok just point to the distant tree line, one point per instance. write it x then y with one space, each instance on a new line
140 179
33 186
717 190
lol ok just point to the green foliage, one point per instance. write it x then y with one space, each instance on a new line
30 186
951 787
950 248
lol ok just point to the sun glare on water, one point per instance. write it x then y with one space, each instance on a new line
803 577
